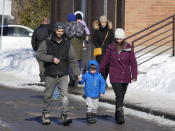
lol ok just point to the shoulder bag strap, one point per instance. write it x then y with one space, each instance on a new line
105 39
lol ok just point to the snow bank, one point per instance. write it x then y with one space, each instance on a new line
21 62
159 75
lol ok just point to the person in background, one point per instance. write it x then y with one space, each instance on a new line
80 18
102 37
71 17
122 69
40 34
94 88
58 55
77 43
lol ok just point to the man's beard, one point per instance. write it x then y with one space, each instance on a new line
59 37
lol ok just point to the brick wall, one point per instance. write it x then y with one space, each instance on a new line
141 13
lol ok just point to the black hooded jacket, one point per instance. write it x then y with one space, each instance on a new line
40 34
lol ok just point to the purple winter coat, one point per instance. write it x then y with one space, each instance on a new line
122 67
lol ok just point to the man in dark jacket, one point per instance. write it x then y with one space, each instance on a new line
58 54
40 34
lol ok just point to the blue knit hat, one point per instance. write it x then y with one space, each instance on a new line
71 17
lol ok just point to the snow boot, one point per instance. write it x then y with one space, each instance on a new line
119 115
91 118
45 118
65 120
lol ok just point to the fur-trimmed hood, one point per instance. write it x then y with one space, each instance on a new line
96 24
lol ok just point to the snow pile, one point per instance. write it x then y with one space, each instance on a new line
21 62
159 75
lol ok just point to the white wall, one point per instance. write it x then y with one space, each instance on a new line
7 9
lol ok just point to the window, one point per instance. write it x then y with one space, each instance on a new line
16 31
22 32
8 31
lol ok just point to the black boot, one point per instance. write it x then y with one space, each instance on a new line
88 116
91 118
66 120
119 115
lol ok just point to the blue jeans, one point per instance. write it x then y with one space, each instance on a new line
55 93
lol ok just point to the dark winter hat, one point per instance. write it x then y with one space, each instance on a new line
71 17
78 16
59 25
79 12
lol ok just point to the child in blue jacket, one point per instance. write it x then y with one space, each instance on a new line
95 87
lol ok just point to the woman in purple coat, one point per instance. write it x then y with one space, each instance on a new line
122 69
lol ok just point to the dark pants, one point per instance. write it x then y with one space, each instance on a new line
106 71
99 58
119 90
41 70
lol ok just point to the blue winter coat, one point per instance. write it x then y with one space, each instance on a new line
94 83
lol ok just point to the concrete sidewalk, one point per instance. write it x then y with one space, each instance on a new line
110 98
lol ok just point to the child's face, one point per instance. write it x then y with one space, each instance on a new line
93 70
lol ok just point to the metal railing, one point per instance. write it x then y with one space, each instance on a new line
155 40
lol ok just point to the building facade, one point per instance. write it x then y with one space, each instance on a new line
92 9
133 15
143 13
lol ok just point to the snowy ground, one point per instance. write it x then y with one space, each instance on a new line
154 88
